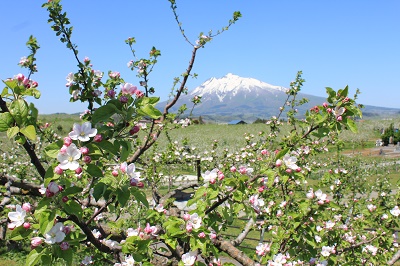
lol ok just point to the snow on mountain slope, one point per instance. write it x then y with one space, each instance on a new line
230 85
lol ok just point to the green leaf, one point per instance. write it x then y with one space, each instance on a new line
33 257
98 190
29 132
12 131
6 121
104 112
46 221
94 170
20 233
149 110
72 190
20 139
331 94
19 110
140 196
123 195
4 92
72 207
53 149
352 126
11 83
282 153
107 146
344 92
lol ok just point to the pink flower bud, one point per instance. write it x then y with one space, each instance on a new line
111 93
58 170
213 235
67 141
133 182
242 170
140 184
329 110
87 159
27 207
64 245
186 217
66 230
11 226
233 169
339 118
78 170
221 176
20 77
289 171
264 152
134 130
36 241
49 194
123 99
27 225
98 138
123 167
189 227
84 150
34 84
65 199
147 229
115 173
278 163
202 235
63 149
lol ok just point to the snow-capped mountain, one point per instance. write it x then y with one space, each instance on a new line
230 85
234 97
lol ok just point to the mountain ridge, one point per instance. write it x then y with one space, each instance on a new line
233 97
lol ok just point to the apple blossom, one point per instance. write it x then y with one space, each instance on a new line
82 132
210 176
68 160
395 211
128 89
189 259
17 218
290 161
87 260
196 220
327 250
262 249
55 235
70 79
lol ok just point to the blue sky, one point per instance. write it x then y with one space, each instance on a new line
335 43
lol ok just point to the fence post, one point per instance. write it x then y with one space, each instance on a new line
198 168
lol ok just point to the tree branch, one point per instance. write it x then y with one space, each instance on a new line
30 149
233 252
239 239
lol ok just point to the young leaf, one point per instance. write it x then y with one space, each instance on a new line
6 121
12 131
29 132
